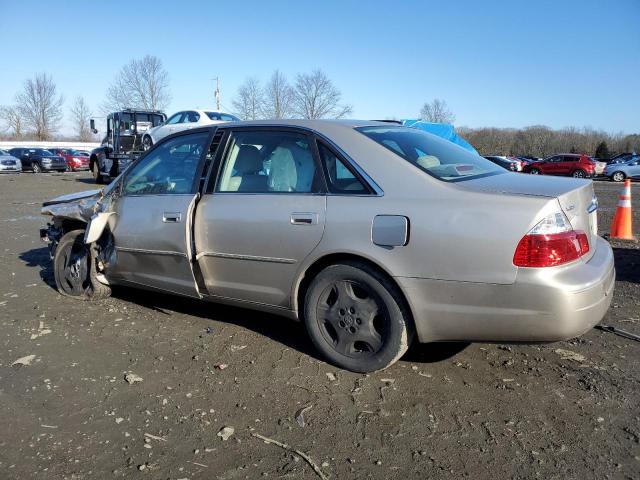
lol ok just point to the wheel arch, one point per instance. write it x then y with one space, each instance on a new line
304 279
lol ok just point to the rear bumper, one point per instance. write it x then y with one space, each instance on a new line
542 305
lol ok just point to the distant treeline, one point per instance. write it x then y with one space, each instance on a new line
541 141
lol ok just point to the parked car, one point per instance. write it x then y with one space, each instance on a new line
75 161
9 163
568 164
507 163
371 234
620 158
183 121
39 160
619 171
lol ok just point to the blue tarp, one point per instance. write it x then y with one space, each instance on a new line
442 130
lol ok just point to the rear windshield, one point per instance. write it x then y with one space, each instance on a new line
222 116
431 154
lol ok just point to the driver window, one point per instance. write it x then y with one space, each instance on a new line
170 168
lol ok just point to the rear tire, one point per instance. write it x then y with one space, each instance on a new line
36 167
579 174
535 171
75 269
357 318
618 176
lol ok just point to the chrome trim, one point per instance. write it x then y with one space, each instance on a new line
150 252
251 258
593 206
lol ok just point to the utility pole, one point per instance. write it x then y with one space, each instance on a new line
217 92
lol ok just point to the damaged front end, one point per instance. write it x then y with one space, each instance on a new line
90 211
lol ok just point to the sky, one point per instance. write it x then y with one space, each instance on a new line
496 63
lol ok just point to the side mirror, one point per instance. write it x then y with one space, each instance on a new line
92 124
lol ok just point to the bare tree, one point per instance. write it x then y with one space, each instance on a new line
437 112
80 115
142 83
315 96
12 119
278 97
40 106
249 101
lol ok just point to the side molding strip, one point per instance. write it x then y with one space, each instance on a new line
251 258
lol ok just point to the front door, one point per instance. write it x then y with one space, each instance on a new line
264 216
152 230
169 126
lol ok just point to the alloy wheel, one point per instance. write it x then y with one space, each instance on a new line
352 318
578 174
618 177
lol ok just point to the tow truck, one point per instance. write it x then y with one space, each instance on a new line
122 143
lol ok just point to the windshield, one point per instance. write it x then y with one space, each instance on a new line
431 154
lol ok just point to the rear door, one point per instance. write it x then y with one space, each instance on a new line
152 231
264 214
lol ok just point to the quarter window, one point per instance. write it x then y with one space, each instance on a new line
269 162
170 168
339 178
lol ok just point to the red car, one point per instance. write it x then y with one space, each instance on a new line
568 164
75 160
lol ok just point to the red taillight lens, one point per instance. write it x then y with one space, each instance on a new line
550 250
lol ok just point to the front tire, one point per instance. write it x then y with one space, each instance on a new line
96 174
618 177
147 143
356 317
74 268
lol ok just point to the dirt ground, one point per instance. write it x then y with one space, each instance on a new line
566 410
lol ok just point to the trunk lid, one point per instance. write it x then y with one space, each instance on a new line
575 196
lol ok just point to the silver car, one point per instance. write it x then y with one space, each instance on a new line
619 171
9 163
371 234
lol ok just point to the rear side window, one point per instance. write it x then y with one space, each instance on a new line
438 157
269 162
340 179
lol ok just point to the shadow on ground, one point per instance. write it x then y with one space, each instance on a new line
39 257
277 328
627 264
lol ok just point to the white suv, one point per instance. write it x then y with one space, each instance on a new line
183 121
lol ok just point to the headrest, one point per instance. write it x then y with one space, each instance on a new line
248 161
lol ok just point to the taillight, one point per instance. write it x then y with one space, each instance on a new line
550 243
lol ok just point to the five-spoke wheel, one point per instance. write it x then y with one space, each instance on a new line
356 317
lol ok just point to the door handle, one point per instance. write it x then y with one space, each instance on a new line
171 217
304 218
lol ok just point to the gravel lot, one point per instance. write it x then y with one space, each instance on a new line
566 410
